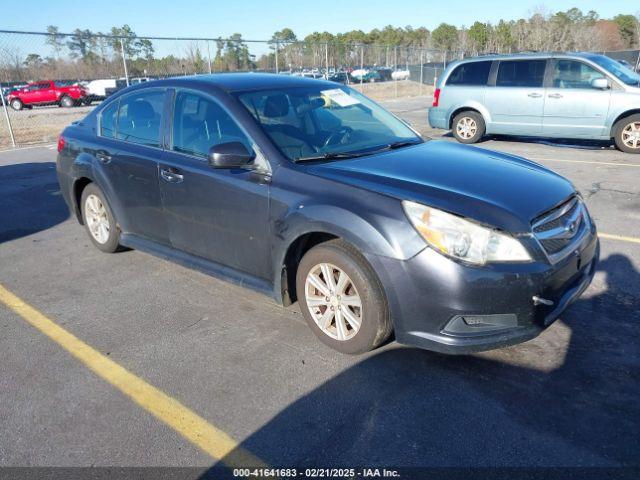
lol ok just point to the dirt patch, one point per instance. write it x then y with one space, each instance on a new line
390 90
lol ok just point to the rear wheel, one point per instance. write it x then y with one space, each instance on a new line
99 220
341 298
17 104
627 134
468 127
67 101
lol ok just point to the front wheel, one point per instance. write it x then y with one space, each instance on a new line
468 127
17 104
627 134
341 298
99 220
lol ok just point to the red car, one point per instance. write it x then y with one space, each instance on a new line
47 92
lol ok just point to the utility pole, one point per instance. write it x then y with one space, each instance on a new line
124 62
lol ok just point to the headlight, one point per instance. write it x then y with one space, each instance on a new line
462 239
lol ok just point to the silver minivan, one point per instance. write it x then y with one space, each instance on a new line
578 95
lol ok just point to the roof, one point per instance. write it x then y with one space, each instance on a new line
237 82
530 55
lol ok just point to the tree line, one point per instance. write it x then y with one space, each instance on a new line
86 54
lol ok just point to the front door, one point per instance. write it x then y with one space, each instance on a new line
573 107
516 100
218 214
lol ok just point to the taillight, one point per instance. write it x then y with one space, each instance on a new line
436 97
60 143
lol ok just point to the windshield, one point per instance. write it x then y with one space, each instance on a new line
317 122
623 73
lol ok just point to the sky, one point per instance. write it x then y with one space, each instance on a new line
256 19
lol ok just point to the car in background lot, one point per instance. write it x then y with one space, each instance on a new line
366 75
341 77
47 92
309 191
400 75
578 96
97 89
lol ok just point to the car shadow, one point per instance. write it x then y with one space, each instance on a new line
30 199
404 407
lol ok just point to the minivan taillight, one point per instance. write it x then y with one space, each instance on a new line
60 143
436 97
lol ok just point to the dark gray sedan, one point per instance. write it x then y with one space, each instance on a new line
308 191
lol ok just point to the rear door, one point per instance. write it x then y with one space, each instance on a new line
215 213
129 153
48 93
515 97
573 108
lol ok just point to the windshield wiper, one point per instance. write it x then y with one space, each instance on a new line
329 156
399 144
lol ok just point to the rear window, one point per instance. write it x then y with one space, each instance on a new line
472 73
521 73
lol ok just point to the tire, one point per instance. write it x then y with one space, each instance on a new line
17 104
110 242
627 134
468 127
67 102
340 258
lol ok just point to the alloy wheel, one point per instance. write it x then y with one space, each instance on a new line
333 301
466 127
97 219
631 135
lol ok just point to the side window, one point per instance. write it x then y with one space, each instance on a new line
108 118
472 73
139 118
199 123
574 74
521 73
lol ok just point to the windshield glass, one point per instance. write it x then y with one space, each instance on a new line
322 121
625 74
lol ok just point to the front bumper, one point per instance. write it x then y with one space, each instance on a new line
431 298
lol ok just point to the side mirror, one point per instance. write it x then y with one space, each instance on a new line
230 155
600 83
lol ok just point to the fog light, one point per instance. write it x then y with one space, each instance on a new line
480 324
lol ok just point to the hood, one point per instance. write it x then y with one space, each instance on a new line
497 189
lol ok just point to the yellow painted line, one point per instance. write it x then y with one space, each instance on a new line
584 161
621 238
190 425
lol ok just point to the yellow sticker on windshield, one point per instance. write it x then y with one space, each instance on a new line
339 97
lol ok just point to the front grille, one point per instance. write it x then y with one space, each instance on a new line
561 227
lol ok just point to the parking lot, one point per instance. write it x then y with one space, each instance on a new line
169 367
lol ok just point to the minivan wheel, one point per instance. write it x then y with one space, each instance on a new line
468 127
627 136
341 298
99 220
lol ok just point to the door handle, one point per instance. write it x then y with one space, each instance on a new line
171 175
103 156
555 95
534 95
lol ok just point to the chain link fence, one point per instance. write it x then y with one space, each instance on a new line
58 78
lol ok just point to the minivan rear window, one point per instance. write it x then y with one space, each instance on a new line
521 73
472 73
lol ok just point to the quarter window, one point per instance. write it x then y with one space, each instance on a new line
108 118
199 123
139 118
521 73
572 74
472 73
